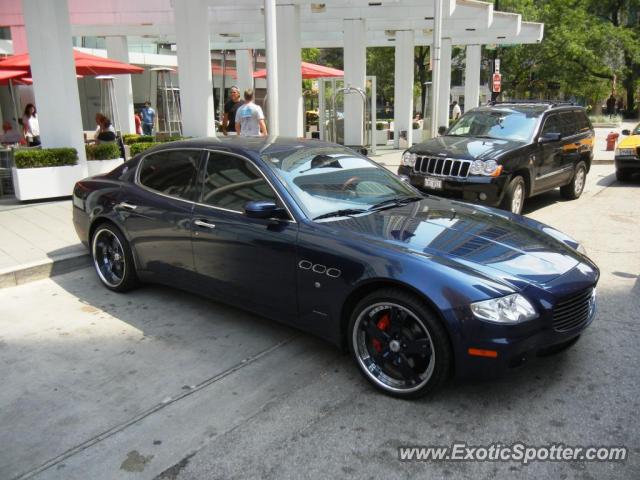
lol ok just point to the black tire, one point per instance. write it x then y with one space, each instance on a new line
623 175
574 189
514 196
412 356
112 258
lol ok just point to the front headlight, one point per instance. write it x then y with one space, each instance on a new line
489 168
625 152
511 309
409 159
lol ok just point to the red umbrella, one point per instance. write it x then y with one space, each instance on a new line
86 64
309 70
17 77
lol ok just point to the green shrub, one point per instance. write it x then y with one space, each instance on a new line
136 148
45 157
381 125
102 151
415 125
131 138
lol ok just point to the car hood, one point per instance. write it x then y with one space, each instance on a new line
501 246
468 148
630 142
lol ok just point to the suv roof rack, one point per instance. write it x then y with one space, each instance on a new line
550 103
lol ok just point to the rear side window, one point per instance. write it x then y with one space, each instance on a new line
171 173
582 121
230 182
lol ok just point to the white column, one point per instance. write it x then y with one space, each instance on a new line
271 51
435 59
289 74
445 83
403 88
194 67
118 49
244 69
472 77
54 74
355 72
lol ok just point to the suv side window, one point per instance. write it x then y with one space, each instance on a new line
582 121
552 124
230 182
569 124
171 173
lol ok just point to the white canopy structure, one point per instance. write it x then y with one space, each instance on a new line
280 27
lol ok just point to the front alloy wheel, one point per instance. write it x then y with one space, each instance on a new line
399 345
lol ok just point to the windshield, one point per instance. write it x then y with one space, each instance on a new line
335 179
499 124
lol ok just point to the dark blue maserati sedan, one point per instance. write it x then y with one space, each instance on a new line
317 236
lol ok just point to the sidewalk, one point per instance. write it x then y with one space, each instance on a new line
37 240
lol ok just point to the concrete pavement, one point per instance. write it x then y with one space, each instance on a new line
159 383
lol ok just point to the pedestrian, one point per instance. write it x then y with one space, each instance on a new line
138 121
456 112
230 110
611 105
104 131
30 125
148 117
249 118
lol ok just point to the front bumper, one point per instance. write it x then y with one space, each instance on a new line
515 345
627 163
473 189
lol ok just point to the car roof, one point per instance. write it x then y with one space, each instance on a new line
529 108
245 145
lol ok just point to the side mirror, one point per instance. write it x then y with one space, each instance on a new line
263 209
626 132
550 137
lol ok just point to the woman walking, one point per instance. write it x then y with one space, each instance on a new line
30 125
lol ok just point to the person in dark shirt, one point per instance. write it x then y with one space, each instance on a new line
230 109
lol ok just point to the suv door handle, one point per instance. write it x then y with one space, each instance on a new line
202 223
126 206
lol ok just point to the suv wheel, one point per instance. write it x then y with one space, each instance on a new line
623 175
574 189
514 196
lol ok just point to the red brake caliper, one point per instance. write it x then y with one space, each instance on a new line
383 324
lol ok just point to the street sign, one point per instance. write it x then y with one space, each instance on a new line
496 82
496 65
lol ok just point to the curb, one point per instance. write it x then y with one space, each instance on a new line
44 269
602 162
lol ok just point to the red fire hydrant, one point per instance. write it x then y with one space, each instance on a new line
612 138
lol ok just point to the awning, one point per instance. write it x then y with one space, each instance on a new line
309 70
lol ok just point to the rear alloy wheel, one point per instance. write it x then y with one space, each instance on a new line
112 259
623 175
399 344
514 196
574 189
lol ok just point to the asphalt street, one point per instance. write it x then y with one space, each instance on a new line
162 384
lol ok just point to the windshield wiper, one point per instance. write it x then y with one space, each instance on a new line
487 136
340 213
395 202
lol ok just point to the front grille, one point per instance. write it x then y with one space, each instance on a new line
442 167
572 311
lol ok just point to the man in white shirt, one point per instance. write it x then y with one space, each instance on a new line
250 118
456 111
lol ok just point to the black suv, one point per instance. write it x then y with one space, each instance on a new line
505 152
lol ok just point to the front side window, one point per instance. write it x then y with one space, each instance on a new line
230 182
326 179
552 125
171 172
499 124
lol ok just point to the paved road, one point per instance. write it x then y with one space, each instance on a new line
162 384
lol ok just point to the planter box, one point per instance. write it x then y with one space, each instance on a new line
97 167
417 135
382 137
46 182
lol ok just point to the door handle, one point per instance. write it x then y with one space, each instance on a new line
202 223
127 206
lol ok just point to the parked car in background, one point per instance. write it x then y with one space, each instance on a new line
627 156
503 153
316 236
